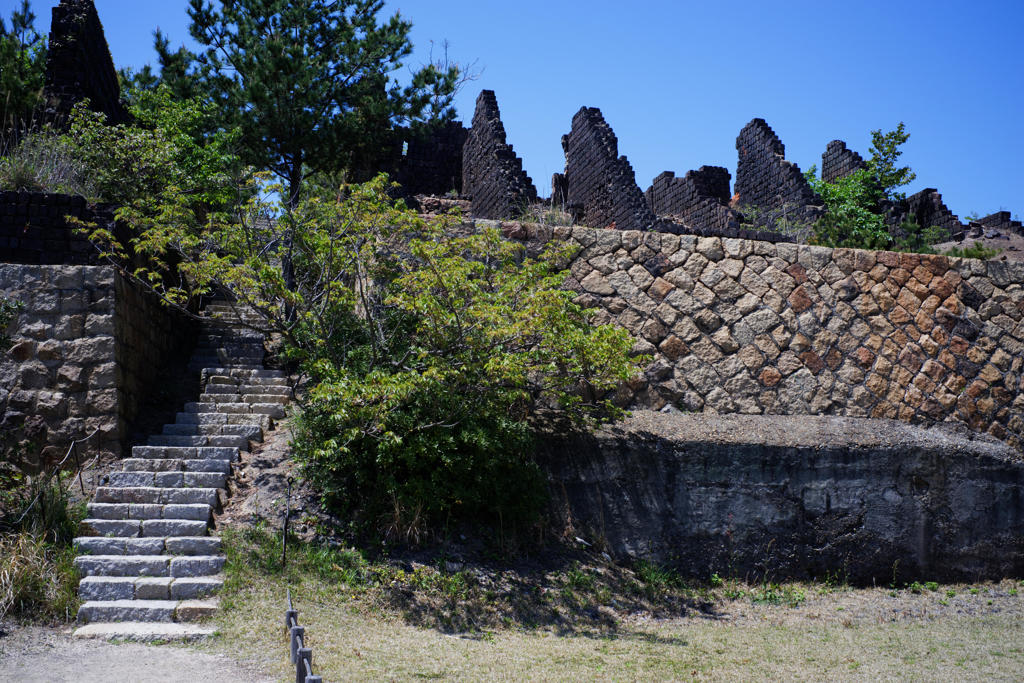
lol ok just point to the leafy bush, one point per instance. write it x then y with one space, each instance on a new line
8 312
852 216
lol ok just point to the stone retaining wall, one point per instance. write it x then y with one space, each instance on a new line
741 326
86 346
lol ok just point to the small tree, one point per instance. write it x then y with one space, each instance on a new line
22 67
885 151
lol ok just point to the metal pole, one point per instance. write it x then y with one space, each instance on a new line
287 514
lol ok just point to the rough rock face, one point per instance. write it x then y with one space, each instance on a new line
776 497
492 174
767 182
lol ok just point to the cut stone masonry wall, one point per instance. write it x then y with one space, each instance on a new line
492 174
742 326
86 346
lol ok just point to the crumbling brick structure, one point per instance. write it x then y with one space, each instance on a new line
1002 222
430 161
602 188
78 64
492 174
34 228
838 161
768 183
699 200
927 209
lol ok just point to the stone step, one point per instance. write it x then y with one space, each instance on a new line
232 441
174 545
175 465
200 513
156 494
146 610
207 480
243 398
148 587
175 566
145 632
249 381
251 432
218 371
208 415
131 528
225 408
186 452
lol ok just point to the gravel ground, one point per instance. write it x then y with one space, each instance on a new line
36 653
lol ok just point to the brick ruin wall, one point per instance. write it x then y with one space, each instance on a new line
838 161
492 174
927 209
699 199
769 183
1002 222
87 345
78 63
752 327
34 228
430 161
601 188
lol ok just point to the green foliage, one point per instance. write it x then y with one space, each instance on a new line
852 216
976 250
38 580
43 160
308 83
914 238
885 152
22 67
429 354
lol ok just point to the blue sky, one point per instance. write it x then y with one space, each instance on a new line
678 80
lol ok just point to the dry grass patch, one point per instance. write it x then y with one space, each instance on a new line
359 630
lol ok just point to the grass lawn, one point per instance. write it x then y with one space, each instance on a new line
370 622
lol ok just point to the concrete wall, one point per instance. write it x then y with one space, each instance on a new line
809 497
741 326
86 346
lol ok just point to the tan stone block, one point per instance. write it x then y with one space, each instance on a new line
976 354
934 370
812 361
711 248
863 260
703 294
990 374
653 331
867 306
922 275
955 383
986 406
917 289
706 351
596 283
864 357
641 277
680 278
686 329
833 359
885 301
725 340
770 377
673 347
751 357
928 345
774 301
659 289
788 363
767 346
899 276
874 342
844 260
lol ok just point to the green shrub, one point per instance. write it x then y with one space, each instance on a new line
9 310
45 161
37 579
976 250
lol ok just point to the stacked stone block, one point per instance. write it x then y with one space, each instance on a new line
87 345
741 326
769 188
150 567
78 63
34 228
492 174
927 209
838 161
699 201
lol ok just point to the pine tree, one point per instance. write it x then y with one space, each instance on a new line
22 67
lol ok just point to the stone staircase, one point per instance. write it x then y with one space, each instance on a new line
150 567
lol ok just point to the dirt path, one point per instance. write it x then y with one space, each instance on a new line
45 654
